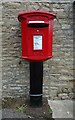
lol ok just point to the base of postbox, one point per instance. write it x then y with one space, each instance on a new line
36 101
41 111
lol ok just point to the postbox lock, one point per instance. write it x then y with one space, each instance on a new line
37 30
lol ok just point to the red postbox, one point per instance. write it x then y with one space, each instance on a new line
37 34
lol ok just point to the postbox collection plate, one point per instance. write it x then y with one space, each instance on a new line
37 42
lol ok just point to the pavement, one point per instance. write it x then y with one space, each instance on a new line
9 113
60 108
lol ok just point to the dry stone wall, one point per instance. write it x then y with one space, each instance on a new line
58 71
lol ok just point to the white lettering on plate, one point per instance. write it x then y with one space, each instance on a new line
36 21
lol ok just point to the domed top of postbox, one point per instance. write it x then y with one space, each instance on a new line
35 15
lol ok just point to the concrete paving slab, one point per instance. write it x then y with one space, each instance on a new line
0 114
9 113
62 108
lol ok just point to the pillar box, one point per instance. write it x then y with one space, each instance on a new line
37 34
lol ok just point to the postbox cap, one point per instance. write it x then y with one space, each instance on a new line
24 15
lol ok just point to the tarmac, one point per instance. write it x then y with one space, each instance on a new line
60 108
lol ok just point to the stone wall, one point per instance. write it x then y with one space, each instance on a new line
58 71
0 49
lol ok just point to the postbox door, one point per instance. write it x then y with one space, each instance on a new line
38 42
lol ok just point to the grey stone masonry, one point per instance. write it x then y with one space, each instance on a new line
58 71
0 50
